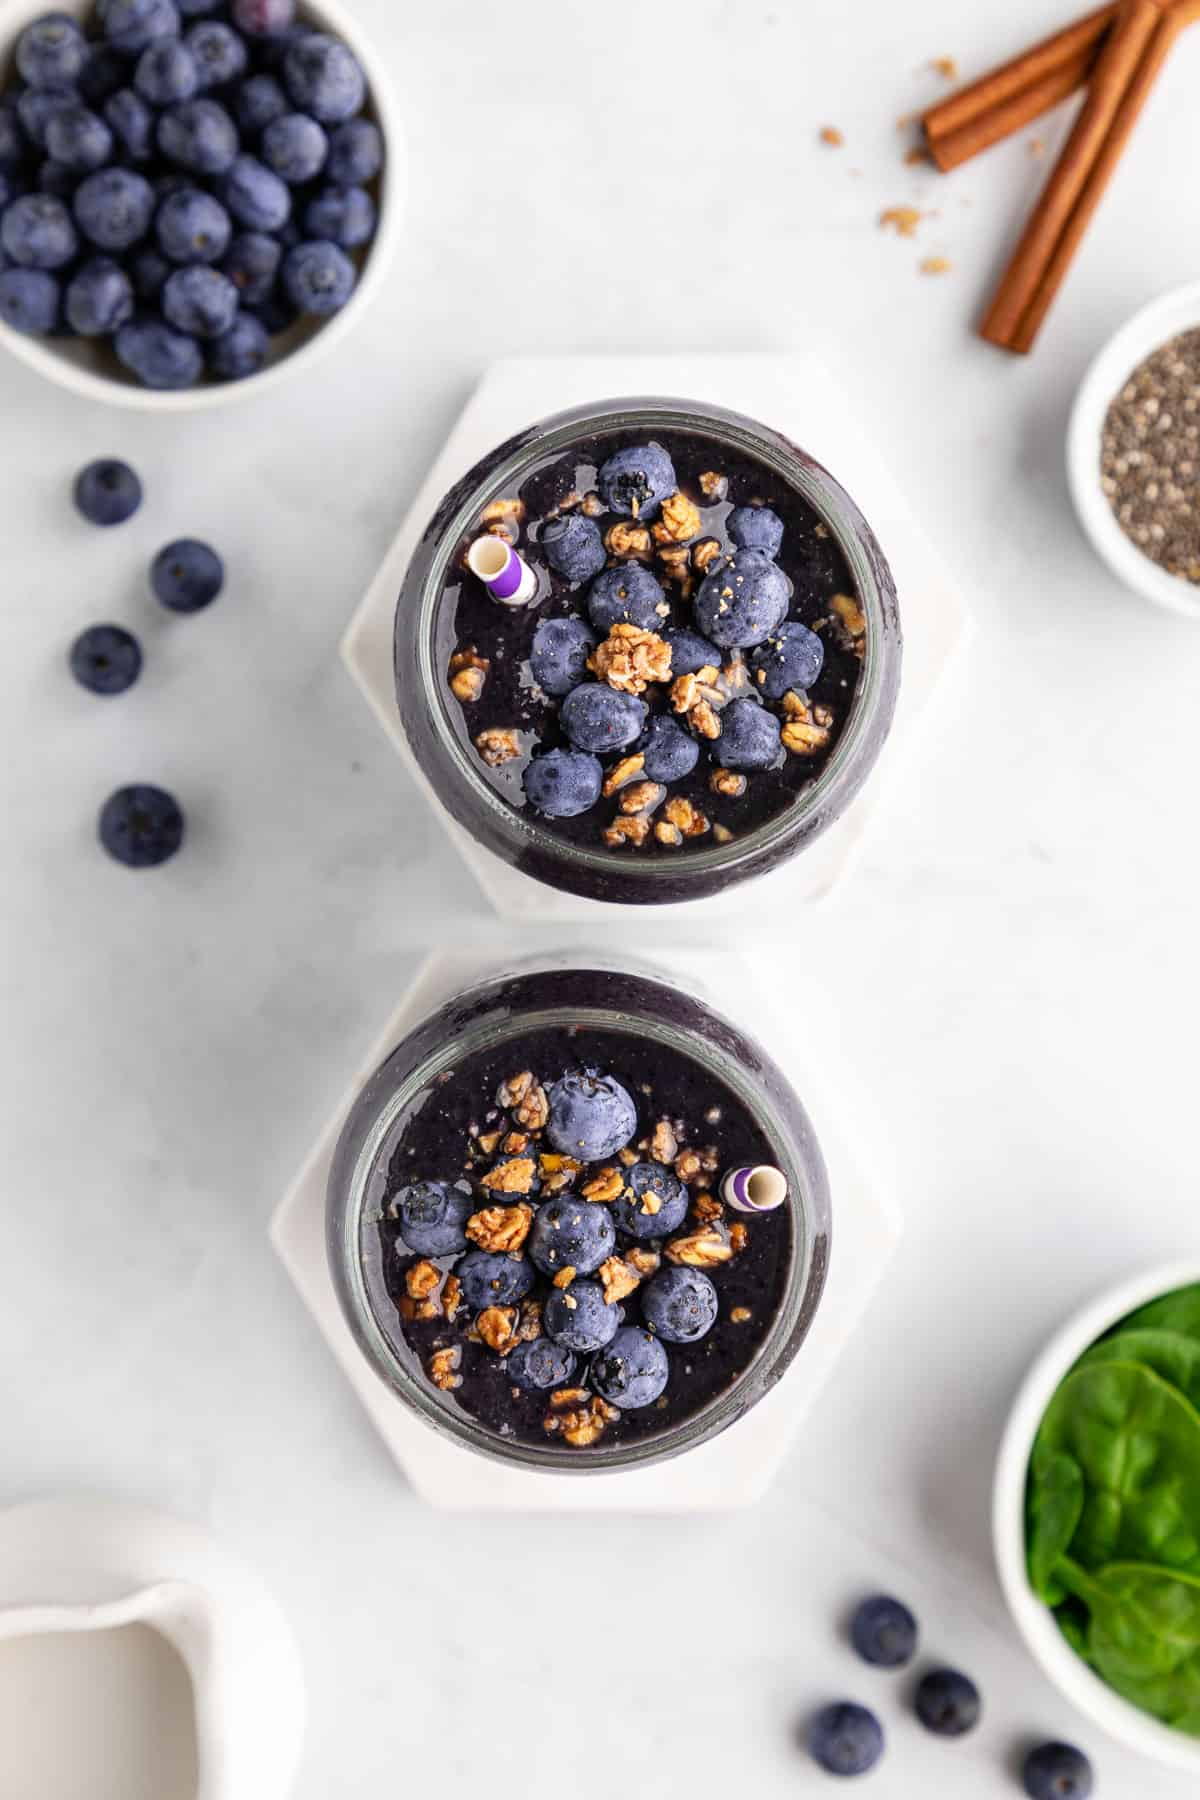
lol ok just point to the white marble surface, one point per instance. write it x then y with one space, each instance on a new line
1014 965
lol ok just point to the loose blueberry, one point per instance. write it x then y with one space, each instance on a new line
948 1703
750 736
105 659
167 73
846 1739
52 52
670 752
539 1365
296 147
192 227
107 492
756 528
258 102
580 1317
37 106
792 657
563 783
37 232
132 25
131 122
141 826
680 1305
598 718
30 301
591 1116
114 207
243 350
218 53
255 195
690 652
343 215
105 71
1058 1772
99 298
318 279
264 18
573 547
198 135
742 599
632 1371
570 1233
200 301
635 481
187 576
650 1180
433 1217
79 139
559 652
884 1632
491 1280
150 271
323 78
252 265
627 595
160 357
355 153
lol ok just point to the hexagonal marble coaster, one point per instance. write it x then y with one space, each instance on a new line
732 1470
797 396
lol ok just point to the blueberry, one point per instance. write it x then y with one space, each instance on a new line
104 72
150 270
133 25
756 528
342 215
107 492
563 783
53 178
632 1370
635 481
323 78
670 752
79 139
948 1703
187 575
571 1233
651 1180
167 73
141 826
105 659
200 301
596 717
52 52
258 103
749 736
296 147
792 657
252 265
680 1305
690 652
37 106
198 135
355 153
12 141
559 652
275 313
99 298
433 1217
114 207
742 599
131 123
264 18
884 1632
219 54
242 351
573 547
580 1317
627 595
846 1739
318 279
591 1116
38 233
159 357
491 1280
192 227
29 301
1058 1772
540 1365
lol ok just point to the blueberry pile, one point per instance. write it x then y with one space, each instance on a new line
141 825
184 180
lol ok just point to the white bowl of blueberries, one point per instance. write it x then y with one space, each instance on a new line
195 195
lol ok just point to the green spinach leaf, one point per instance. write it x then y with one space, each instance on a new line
1143 1636
1179 1311
1170 1354
1053 1508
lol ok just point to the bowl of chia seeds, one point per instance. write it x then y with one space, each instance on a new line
1133 452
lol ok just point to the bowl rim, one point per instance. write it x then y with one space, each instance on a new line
1148 330
38 355
1106 1708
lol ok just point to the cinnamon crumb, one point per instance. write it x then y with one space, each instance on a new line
903 220
946 67
916 156
830 135
936 265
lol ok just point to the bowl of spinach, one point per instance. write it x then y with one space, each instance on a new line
1097 1513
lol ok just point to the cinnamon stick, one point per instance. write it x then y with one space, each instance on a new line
1014 95
1134 52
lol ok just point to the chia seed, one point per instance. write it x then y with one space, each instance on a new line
1150 457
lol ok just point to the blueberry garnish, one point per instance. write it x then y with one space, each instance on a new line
559 652
654 1204
690 652
631 1371
948 1703
158 355
846 1739
433 1217
596 717
37 232
99 298
106 659
750 736
141 826
1058 1772
635 481
591 1116
568 1233
493 1280
680 1304
580 1317
791 658
670 752
742 599
627 595
187 575
107 492
563 783
756 528
540 1364
884 1632
573 547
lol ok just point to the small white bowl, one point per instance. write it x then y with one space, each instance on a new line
90 370
1069 1673
1148 330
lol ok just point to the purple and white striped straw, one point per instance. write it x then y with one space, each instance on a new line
756 1190
506 576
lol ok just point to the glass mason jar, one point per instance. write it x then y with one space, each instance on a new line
545 994
432 719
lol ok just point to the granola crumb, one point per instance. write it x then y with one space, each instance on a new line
501 1229
936 265
443 1368
452 1296
630 659
510 1093
627 830
422 1280
514 1177
678 521
829 134
618 1279
903 220
728 782
497 746
565 1277
646 1262
722 834
741 1315
468 674
533 1109
739 1237
946 67
608 1185
664 1145
497 1326
714 486
628 542
623 773
704 1248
